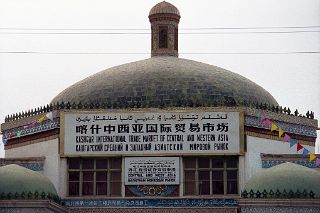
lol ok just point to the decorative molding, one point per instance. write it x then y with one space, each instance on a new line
19 142
278 194
303 162
154 210
268 135
35 164
270 160
280 209
287 127
153 191
31 206
41 127
139 203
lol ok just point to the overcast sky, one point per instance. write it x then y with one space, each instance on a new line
32 80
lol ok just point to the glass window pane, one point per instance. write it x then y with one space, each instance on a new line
115 189
74 188
115 163
232 175
232 163
115 176
232 187
217 163
204 176
102 164
204 163
204 187
217 187
74 163
87 188
217 175
101 188
189 175
87 163
101 176
189 163
87 176
190 188
74 176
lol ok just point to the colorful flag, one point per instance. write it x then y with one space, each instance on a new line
293 142
273 127
268 122
4 140
305 152
280 132
312 157
262 118
41 119
318 162
33 124
286 138
18 133
49 116
299 147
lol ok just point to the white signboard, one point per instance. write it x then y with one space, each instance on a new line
132 133
152 171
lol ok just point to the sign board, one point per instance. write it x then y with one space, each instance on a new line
151 170
136 133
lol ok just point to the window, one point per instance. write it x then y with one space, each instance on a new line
210 176
94 177
163 37
175 39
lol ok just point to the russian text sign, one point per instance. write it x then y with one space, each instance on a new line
151 170
132 133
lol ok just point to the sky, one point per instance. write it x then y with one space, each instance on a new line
273 32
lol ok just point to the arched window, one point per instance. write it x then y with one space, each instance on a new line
175 39
163 37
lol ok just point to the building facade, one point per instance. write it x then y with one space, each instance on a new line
165 134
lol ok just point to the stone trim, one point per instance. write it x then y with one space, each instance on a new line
150 202
290 128
271 136
274 116
25 131
279 202
270 160
32 163
38 138
47 204
153 210
278 194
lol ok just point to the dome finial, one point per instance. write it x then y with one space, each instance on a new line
164 18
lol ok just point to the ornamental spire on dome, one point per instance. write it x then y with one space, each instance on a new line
164 18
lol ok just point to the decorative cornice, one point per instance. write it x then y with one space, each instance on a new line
279 111
34 163
300 126
35 195
270 160
32 139
41 127
147 202
294 128
278 194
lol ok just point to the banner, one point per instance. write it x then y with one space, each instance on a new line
152 171
152 132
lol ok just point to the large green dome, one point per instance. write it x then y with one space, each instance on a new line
166 80
286 176
16 179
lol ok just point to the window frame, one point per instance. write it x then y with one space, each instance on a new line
108 181
210 169
163 43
